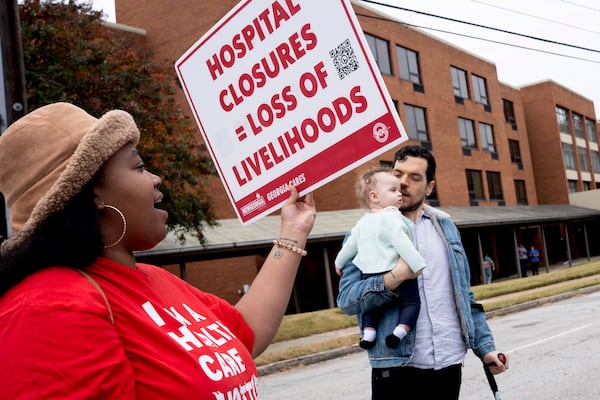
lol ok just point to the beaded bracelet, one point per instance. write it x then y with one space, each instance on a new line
287 245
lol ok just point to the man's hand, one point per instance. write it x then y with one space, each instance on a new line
400 273
497 361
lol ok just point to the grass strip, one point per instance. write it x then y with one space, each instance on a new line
304 324
343 321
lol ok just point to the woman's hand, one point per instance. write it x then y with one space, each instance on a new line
265 302
297 215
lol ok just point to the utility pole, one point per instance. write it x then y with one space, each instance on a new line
13 100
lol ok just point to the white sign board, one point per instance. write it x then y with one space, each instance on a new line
287 92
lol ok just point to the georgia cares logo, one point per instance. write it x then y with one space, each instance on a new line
381 132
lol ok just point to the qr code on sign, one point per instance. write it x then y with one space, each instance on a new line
344 59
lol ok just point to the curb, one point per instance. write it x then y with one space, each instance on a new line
538 302
343 351
307 359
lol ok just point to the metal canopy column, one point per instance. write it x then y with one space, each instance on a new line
516 247
480 251
328 283
568 244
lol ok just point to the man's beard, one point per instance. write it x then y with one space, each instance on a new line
413 206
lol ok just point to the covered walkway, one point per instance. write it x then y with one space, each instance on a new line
562 233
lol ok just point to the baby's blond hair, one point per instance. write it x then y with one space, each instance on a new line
367 183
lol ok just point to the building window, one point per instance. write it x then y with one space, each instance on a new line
521 192
475 184
459 83
578 126
494 185
595 161
509 112
381 52
591 130
486 132
568 156
408 63
572 186
515 151
479 89
416 123
467 133
587 185
584 162
562 115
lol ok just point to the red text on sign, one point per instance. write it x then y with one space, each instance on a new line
295 139
269 67
267 22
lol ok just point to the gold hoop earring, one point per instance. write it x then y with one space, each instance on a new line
115 209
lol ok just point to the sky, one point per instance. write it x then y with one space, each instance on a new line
572 61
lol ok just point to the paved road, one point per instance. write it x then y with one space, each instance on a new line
554 350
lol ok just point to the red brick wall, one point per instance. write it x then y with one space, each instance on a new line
436 58
174 26
521 134
223 277
540 101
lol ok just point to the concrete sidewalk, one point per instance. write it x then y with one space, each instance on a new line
339 352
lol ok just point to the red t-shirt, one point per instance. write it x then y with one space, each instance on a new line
169 340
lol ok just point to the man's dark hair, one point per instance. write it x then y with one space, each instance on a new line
418 151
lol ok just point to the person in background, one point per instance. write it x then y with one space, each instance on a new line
488 267
534 260
428 363
376 241
79 317
523 259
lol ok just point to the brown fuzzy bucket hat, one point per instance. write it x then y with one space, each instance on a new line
48 155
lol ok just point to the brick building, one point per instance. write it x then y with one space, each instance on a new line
561 125
448 99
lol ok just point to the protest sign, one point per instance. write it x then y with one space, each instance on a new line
287 92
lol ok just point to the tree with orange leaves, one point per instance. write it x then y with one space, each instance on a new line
70 55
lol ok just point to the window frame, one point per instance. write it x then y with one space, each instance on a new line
475 184
480 92
494 183
595 161
514 147
509 111
590 127
460 85
408 62
586 185
420 127
521 192
377 45
486 133
578 125
572 185
569 156
465 134
584 161
562 118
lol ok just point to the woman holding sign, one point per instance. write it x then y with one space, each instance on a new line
79 317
